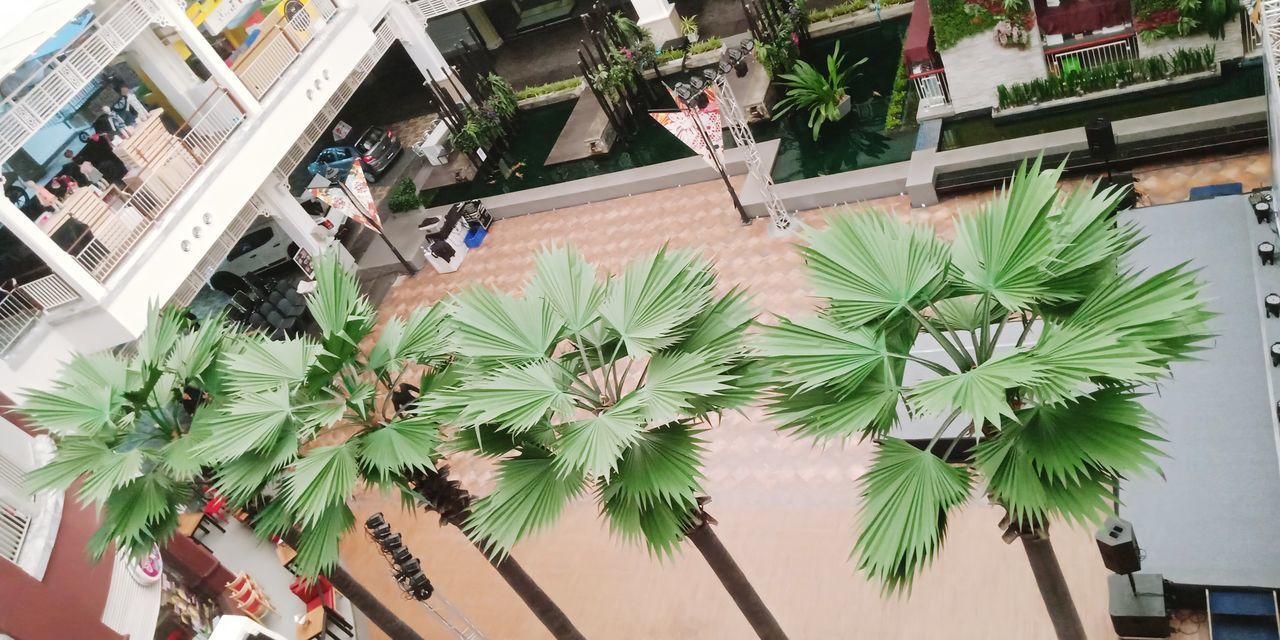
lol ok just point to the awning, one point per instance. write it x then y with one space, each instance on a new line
916 49
1079 16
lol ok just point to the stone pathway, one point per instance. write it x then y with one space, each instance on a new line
787 509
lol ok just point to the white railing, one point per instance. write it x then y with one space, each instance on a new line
1092 54
199 276
319 125
17 315
276 49
62 80
14 522
164 179
428 9
48 292
931 87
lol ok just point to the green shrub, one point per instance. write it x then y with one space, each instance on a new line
1178 18
550 87
955 20
897 116
669 55
1108 76
404 196
704 45
842 9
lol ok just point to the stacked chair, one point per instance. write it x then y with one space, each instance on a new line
247 595
278 310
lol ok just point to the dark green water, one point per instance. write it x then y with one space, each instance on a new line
1235 84
849 144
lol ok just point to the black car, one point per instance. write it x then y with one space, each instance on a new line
378 149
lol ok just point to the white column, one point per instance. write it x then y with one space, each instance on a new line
162 65
484 27
59 261
298 223
413 35
660 18
222 74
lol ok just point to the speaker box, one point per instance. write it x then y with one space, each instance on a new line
1102 141
1138 615
1118 545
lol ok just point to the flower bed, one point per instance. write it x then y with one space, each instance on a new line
1106 77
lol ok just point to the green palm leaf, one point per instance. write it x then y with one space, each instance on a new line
661 525
245 424
530 495
908 494
487 324
675 383
1088 241
660 466
594 445
81 409
241 479
1164 313
872 267
965 313
422 338
322 477
194 353
815 351
1033 498
979 393
718 331
76 455
160 335
868 410
1006 249
318 542
1070 360
102 369
404 445
655 297
568 284
336 304
110 472
263 364
139 515
515 397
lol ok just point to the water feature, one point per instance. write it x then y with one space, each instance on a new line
1235 83
850 144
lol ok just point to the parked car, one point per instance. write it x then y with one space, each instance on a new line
377 148
264 246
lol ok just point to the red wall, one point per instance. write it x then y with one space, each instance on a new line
68 603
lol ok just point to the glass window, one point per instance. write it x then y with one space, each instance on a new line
250 241
369 140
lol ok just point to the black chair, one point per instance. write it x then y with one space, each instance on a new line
281 323
229 283
256 320
243 300
289 309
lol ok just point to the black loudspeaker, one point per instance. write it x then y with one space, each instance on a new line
1118 546
1102 141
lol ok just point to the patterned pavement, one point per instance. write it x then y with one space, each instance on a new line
787 509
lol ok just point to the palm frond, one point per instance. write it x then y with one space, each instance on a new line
568 284
909 493
594 445
245 424
655 297
102 369
160 335
873 267
980 393
263 364
318 541
1164 312
337 306
660 525
422 338
140 515
815 351
663 465
517 398
241 479
965 313
1034 498
76 456
529 496
1070 360
868 410
319 479
81 409
195 352
675 383
1006 250
718 332
406 444
488 324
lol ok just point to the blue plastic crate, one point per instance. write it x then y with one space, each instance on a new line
475 236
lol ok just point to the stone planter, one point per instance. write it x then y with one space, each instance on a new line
845 106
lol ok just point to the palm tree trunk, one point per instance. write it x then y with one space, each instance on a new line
551 616
1053 586
370 606
735 582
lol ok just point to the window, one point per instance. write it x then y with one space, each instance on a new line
369 140
250 241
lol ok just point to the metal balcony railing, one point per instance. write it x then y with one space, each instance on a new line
120 219
22 306
64 77
427 9
279 45
1094 53
931 87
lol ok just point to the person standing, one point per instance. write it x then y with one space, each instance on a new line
48 201
72 168
127 106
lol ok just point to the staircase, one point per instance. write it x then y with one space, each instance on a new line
1243 615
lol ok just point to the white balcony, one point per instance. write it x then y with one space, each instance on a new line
280 42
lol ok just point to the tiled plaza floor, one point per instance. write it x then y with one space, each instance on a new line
787 510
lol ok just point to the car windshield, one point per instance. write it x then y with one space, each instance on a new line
369 140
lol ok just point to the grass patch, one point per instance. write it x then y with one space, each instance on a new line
705 45
669 55
550 87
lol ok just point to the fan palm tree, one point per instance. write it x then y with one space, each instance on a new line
122 425
602 385
1057 418
310 421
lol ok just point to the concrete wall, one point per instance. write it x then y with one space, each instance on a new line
1231 46
977 64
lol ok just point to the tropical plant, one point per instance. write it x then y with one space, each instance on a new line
835 11
955 20
317 419
502 97
404 196
605 385
900 112
1112 75
706 44
480 129
817 93
550 87
1056 413
122 426
689 25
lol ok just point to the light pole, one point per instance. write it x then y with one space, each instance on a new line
372 222
734 60
691 97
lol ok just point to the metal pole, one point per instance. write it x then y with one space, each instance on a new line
715 159
408 268
742 136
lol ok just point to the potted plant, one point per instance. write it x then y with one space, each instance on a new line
823 95
689 27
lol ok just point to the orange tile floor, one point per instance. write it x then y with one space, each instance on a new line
787 509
